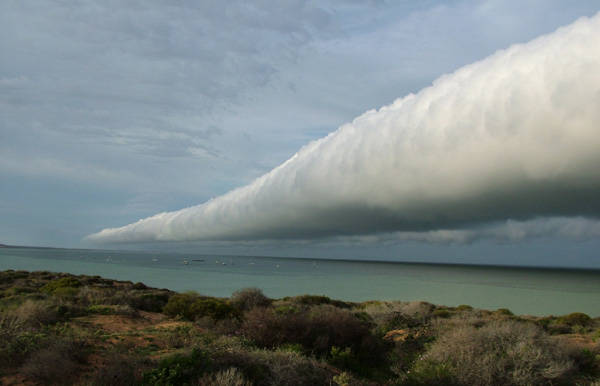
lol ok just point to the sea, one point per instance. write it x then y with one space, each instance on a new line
523 290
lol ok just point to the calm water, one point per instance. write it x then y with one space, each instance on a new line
522 290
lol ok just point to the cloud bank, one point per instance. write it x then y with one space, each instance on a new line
512 137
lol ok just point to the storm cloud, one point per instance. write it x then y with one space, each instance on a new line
512 137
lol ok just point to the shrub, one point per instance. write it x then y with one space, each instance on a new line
65 282
178 369
180 305
66 292
139 286
214 308
464 307
343 358
191 306
17 343
346 379
37 313
289 368
88 295
317 330
229 377
56 363
441 313
418 310
575 319
151 302
428 373
249 298
266 367
396 321
504 311
112 310
178 337
316 300
503 352
312 300
118 369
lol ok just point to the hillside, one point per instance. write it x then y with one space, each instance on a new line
57 328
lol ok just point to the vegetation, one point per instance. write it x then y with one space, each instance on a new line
57 328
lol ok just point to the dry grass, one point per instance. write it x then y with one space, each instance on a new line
228 377
502 352
37 313
56 364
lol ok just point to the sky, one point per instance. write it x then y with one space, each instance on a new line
317 129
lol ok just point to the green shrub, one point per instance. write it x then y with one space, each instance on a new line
587 360
57 363
192 306
428 373
346 379
289 368
16 342
178 337
151 302
317 330
575 319
180 305
16 291
64 282
504 311
286 309
100 309
10 276
464 307
267 367
316 300
118 369
312 300
396 321
66 292
112 310
178 369
139 286
249 298
214 308
345 359
441 313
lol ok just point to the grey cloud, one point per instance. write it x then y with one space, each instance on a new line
509 231
513 136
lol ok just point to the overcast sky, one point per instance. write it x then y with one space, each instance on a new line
111 112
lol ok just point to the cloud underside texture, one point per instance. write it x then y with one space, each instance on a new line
513 137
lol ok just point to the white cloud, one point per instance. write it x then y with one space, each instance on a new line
514 136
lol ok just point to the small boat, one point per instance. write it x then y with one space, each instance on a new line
185 262
155 259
